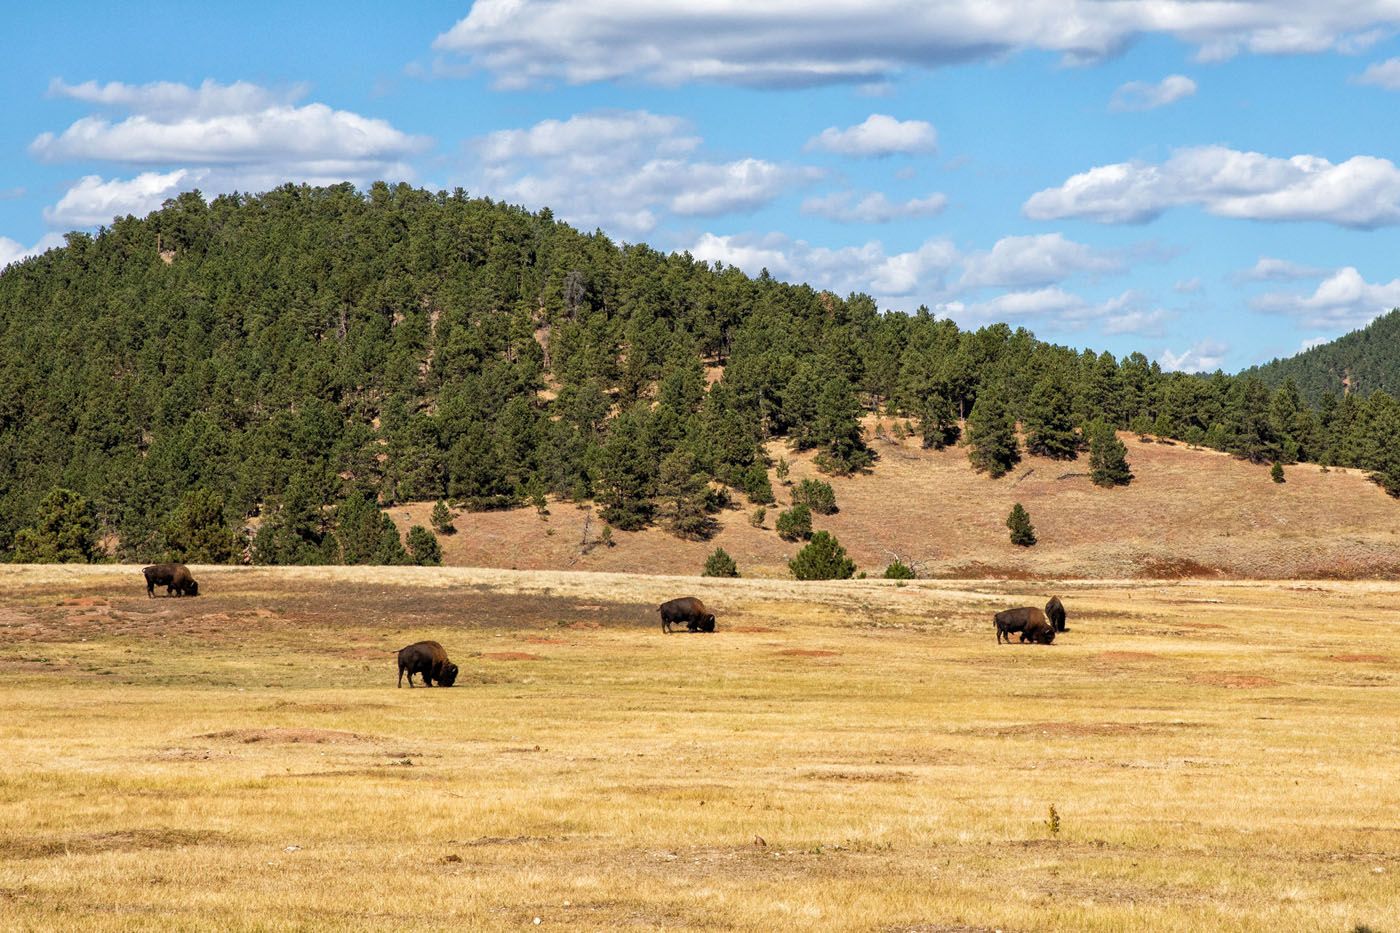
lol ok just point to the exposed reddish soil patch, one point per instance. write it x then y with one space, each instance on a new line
1234 680
1360 658
290 736
512 656
808 653
86 601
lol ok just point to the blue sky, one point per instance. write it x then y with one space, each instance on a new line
1213 184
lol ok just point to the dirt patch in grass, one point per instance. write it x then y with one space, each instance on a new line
1174 568
1359 658
131 840
544 640
290 736
976 570
512 656
809 653
863 777
749 629
1238 681
319 707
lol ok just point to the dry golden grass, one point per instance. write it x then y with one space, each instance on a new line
1221 756
1188 513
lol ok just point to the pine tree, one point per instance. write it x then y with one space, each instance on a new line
795 523
66 532
198 532
782 470
442 519
898 570
625 479
720 564
816 495
837 429
1019 522
938 421
423 547
682 498
991 434
822 559
756 484
1049 421
1276 472
1108 458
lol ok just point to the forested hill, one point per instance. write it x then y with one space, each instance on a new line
1364 360
301 355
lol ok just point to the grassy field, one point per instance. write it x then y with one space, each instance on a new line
1189 756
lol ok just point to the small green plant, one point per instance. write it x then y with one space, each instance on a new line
1022 531
720 564
1052 822
442 519
816 495
795 524
782 471
899 570
607 537
759 514
822 559
1276 473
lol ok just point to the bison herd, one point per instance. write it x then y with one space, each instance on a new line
429 661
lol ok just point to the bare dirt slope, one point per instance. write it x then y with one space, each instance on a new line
1188 513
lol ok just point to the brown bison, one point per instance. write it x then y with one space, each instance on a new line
174 577
1038 632
426 658
1055 612
1016 620
688 610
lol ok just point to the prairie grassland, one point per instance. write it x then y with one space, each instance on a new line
1219 756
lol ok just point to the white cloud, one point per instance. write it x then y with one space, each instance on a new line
866 268
1190 286
1311 342
1384 74
1362 192
13 251
782 43
623 170
1126 313
878 135
1204 356
1342 300
94 200
171 100
873 208
1268 269
1139 95
1025 261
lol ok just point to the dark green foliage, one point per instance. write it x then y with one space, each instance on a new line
836 429
720 564
898 570
625 476
198 532
682 497
816 495
795 523
1049 421
782 470
65 532
1276 472
991 434
1019 522
1361 362
1108 458
822 559
365 535
442 519
756 485
423 547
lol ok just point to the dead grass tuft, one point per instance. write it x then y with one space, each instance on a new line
290 736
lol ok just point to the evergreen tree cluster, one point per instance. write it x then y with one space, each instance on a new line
312 354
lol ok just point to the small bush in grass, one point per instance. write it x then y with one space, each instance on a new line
816 495
423 547
899 570
782 471
1022 532
1277 472
795 523
720 564
759 514
822 559
442 519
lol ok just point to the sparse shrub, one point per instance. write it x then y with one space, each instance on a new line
442 519
606 537
782 470
822 559
1052 822
1276 472
816 495
758 516
1022 532
795 523
720 564
898 570
756 485
423 547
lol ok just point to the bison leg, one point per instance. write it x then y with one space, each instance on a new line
150 590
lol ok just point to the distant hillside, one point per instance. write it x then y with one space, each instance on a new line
290 360
1189 513
1363 361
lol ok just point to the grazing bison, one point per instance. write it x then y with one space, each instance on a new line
688 610
1016 620
174 577
1055 612
1038 632
429 660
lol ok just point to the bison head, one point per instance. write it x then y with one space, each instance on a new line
448 676
192 589
709 624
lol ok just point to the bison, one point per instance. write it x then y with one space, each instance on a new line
1038 632
688 610
427 659
1055 612
174 577
1016 620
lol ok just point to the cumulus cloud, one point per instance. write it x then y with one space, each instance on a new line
623 170
873 208
783 44
1342 300
1126 313
1363 192
1026 261
12 251
1384 74
867 268
1190 286
1269 269
219 137
878 135
1204 356
1139 95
